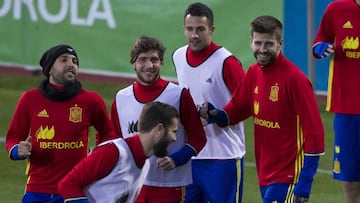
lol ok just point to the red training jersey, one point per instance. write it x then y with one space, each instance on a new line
340 25
59 132
287 122
98 165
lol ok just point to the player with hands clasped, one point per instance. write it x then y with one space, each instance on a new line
168 175
339 36
50 126
115 170
288 131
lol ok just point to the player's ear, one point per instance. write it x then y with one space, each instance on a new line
281 43
212 29
160 129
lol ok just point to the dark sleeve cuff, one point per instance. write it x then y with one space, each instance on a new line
14 155
182 156
303 186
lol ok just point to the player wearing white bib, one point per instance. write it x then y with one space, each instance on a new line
116 170
211 73
168 175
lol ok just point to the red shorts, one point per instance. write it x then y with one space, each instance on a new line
151 194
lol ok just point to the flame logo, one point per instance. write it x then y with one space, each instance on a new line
350 43
45 133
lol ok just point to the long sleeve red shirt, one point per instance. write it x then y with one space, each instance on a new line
60 134
98 165
340 26
287 122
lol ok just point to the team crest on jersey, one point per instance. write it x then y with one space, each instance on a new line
274 93
132 128
256 107
75 114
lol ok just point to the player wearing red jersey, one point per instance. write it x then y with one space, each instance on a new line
289 135
338 35
168 175
118 178
50 125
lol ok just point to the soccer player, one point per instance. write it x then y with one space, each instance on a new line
115 171
168 175
212 74
50 125
288 131
338 35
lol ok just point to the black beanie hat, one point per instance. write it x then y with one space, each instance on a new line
52 54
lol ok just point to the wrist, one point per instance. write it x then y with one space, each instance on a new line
222 119
320 49
14 154
182 156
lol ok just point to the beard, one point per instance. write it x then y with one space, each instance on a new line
64 78
147 80
160 148
265 61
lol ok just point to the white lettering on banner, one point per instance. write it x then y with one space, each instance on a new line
60 16
5 8
94 13
30 6
101 15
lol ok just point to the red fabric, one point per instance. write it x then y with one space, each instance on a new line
59 132
287 120
340 26
150 194
98 165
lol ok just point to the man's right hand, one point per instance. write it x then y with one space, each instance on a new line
24 148
213 115
323 49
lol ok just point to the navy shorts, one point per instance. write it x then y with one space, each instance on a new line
277 192
346 165
216 181
37 197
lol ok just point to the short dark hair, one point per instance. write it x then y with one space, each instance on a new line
154 113
267 24
200 9
145 44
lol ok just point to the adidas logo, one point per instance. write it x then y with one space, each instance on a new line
209 80
347 25
43 114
